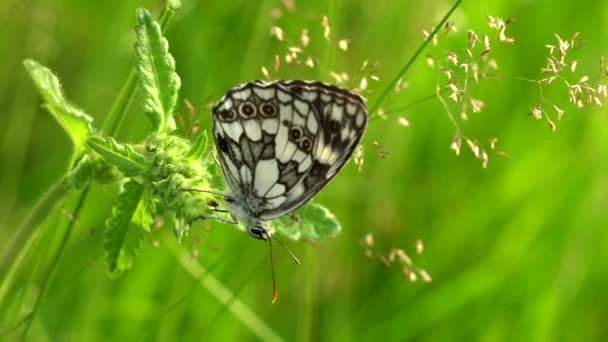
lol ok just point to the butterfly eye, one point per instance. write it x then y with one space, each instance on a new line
305 144
247 110
268 110
258 232
227 115
295 134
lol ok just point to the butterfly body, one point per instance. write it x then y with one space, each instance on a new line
280 142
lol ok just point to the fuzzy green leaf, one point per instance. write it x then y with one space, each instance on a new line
198 147
131 216
74 121
180 228
315 222
123 157
156 70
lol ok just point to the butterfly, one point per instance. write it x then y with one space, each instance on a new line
279 143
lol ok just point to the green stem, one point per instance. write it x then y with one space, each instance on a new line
35 216
112 122
407 106
306 324
244 314
403 70
46 281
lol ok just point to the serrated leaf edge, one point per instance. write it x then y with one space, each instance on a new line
160 85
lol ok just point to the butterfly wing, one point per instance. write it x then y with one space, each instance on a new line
342 118
245 124
279 143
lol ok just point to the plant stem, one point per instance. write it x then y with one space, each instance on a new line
35 216
49 276
407 65
121 105
306 324
404 107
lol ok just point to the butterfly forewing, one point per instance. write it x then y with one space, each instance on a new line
279 143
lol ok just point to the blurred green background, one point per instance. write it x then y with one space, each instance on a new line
517 251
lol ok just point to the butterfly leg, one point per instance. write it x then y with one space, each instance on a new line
217 218
295 217
206 191
217 162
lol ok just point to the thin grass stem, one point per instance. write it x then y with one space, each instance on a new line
409 63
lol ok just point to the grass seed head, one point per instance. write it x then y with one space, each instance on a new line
289 4
326 27
358 157
456 144
426 277
343 44
310 62
277 32
304 38
265 73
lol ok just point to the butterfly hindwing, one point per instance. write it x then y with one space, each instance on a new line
342 118
279 143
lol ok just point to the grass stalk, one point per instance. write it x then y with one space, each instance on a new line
409 63
36 215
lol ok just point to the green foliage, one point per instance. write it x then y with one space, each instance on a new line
88 168
123 157
131 216
155 179
198 147
170 173
82 172
167 165
516 250
156 70
312 221
75 122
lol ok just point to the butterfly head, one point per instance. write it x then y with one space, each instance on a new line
258 232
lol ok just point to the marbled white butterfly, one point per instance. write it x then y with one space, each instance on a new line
281 142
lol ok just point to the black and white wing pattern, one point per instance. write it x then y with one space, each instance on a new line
280 142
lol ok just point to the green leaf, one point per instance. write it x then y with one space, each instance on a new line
131 216
180 228
156 70
74 121
315 222
198 147
123 157
144 215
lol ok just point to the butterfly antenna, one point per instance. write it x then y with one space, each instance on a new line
274 282
287 250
